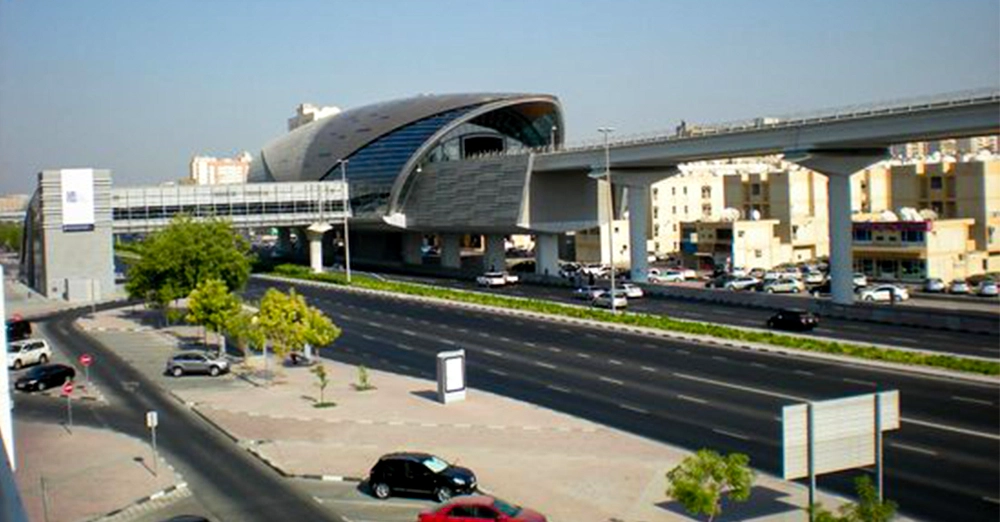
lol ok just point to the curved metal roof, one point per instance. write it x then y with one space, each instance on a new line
309 152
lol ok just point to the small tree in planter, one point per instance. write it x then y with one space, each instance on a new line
323 381
363 383
701 480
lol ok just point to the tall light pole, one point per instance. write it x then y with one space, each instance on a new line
611 209
346 211
552 137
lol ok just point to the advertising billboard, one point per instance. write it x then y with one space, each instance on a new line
77 199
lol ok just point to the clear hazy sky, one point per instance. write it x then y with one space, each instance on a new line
141 86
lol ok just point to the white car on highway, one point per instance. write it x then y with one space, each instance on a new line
784 285
669 275
632 291
604 299
884 293
28 351
511 278
742 283
492 279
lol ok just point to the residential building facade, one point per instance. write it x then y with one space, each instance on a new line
208 170
308 113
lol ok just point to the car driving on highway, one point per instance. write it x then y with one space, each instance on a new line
604 299
884 293
790 319
492 279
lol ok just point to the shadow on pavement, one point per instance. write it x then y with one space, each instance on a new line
763 502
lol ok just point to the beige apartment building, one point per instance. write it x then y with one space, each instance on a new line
208 170
949 230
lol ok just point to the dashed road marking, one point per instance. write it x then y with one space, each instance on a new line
545 365
649 345
448 342
731 434
914 449
493 353
615 361
974 401
691 399
803 372
559 389
497 372
409 332
612 381
583 355
405 347
633 408
720 358
683 352
858 381
553 349
648 368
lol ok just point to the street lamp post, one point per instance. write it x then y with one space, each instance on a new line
346 211
552 137
611 209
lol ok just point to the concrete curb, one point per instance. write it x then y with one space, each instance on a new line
651 332
159 494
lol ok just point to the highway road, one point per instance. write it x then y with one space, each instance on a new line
962 343
944 464
224 478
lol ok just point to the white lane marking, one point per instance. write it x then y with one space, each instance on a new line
823 330
953 429
758 365
405 347
493 353
738 387
367 337
615 361
974 401
691 399
563 330
505 339
683 352
731 434
585 356
859 381
719 358
554 349
448 341
497 372
612 381
991 499
545 365
483 334
590 335
374 323
409 332
803 372
463 330
633 408
913 448
723 312
901 339
649 345
648 368
619 341
559 389
529 343
695 314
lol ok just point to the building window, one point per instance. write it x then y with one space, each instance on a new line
755 189
795 231
862 234
740 233
673 210
912 236
673 191
706 209
936 182
706 191
685 190
685 210
655 191
675 227
656 213
758 254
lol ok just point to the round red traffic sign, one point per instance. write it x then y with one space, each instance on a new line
67 388
86 359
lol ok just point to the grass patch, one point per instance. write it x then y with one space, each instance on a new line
658 322
326 404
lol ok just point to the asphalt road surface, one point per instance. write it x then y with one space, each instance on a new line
961 343
943 464
231 484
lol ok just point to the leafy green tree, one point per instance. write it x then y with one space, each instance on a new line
322 381
289 323
210 305
243 329
701 480
173 261
868 508
10 236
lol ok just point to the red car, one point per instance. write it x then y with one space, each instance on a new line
479 508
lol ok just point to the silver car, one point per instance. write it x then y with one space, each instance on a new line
196 362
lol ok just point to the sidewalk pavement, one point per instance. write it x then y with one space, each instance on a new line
568 468
85 473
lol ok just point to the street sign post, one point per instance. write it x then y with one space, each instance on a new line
86 360
67 390
152 420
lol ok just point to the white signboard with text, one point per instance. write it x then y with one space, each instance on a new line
843 433
77 199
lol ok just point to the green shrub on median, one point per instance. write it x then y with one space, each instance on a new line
654 321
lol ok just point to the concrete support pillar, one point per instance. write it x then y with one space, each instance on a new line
315 234
838 166
547 254
638 215
451 251
412 242
495 256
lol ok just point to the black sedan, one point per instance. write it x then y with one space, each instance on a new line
41 378
800 320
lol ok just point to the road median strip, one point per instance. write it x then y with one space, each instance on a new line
690 330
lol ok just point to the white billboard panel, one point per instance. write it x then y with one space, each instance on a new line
77 199
843 433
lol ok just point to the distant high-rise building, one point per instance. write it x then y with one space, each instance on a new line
208 170
308 113
946 147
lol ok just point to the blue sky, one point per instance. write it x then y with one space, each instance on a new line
141 86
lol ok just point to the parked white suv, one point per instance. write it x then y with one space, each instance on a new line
28 351
784 285
491 279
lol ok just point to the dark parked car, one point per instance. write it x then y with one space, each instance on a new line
43 377
420 474
793 320
18 329
196 362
